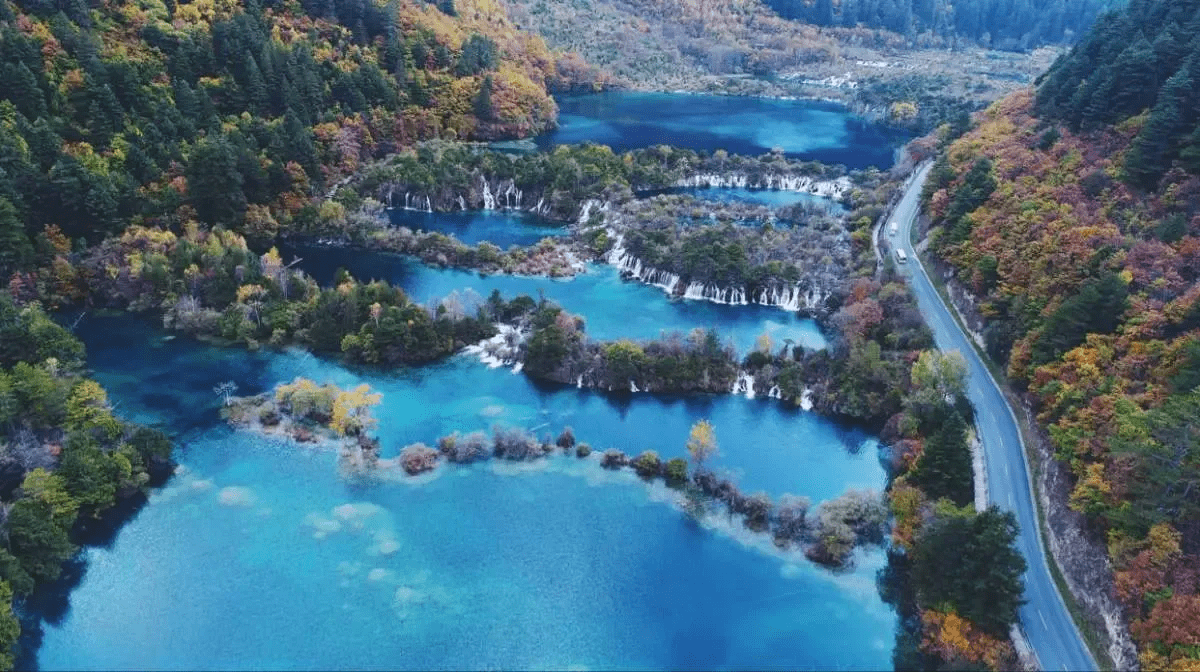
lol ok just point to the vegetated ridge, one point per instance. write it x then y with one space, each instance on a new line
1073 218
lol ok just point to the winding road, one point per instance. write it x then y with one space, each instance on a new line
1044 619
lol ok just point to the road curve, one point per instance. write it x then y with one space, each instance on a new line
1044 618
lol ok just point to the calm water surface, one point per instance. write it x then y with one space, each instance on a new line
500 228
259 555
803 129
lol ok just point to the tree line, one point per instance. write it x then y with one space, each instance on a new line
1002 24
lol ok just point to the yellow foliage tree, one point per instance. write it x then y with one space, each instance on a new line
702 443
352 411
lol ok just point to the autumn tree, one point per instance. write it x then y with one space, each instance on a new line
701 444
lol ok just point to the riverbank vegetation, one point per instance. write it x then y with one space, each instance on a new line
446 176
1076 229
208 283
65 459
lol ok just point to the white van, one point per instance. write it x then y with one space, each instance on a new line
893 229
901 256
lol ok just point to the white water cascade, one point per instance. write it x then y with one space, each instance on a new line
630 265
744 385
499 350
633 387
462 203
828 188
489 200
775 392
806 402
733 296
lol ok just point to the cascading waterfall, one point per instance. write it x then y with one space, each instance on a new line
630 265
538 208
633 387
775 392
734 296
799 183
428 204
462 203
744 385
489 201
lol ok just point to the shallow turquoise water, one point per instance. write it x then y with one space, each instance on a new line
500 228
613 308
495 566
259 555
803 129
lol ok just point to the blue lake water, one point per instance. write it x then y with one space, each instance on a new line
503 229
260 556
612 308
804 129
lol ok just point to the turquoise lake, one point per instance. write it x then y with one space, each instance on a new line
803 129
502 229
259 554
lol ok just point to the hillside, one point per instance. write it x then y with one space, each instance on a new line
1001 24
1077 230
236 113
744 47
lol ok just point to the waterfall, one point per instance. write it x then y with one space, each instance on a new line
633 387
630 265
462 203
489 201
579 381
428 205
586 211
517 369
744 385
800 183
734 296
538 208
787 298
775 392
806 399
390 192
406 200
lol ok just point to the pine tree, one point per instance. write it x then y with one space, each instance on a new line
1157 142
214 184
483 100
15 248
944 469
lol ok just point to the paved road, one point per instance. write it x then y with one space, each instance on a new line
1044 619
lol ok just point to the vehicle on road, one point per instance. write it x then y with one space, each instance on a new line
901 257
893 229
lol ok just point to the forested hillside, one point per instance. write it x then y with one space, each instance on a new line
1144 60
1075 221
1001 24
236 113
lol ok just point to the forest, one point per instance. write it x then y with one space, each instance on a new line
237 113
1076 225
1139 65
1000 24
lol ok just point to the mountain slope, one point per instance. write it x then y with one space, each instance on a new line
1082 250
236 113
